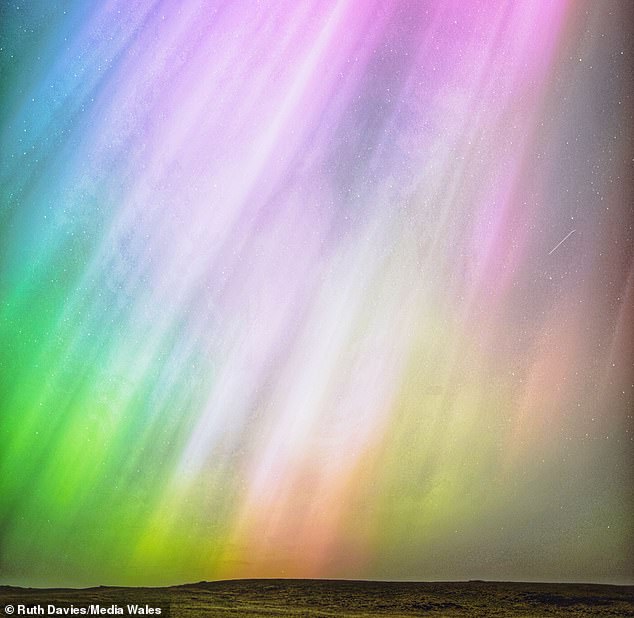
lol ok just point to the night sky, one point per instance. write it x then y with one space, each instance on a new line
328 289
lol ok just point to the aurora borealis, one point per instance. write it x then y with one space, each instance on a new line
315 289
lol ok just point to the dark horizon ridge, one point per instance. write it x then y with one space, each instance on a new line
208 583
